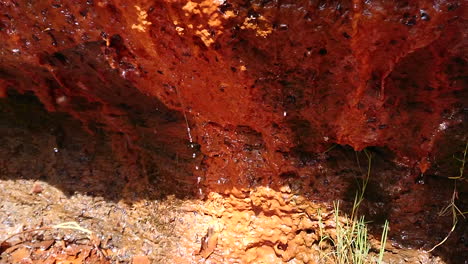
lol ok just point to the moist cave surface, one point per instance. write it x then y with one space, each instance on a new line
228 131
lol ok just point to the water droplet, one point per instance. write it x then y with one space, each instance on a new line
443 126
56 150
61 99
194 155
124 74
424 16
283 27
284 113
15 50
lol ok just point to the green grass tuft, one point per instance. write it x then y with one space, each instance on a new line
351 243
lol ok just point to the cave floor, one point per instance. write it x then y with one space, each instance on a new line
169 230
157 230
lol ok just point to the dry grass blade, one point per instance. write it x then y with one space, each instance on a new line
66 225
452 206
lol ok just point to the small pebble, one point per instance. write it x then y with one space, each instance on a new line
37 188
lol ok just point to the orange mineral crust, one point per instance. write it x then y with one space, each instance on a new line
302 75
229 96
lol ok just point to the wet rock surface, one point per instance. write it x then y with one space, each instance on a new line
249 112
161 216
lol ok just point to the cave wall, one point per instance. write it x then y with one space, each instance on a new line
259 87
225 97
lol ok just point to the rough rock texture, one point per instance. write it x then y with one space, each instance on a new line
297 75
230 95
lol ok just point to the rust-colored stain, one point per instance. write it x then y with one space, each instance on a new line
362 74
243 99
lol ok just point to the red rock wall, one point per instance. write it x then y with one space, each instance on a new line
263 84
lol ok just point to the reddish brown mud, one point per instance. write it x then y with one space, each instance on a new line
242 119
